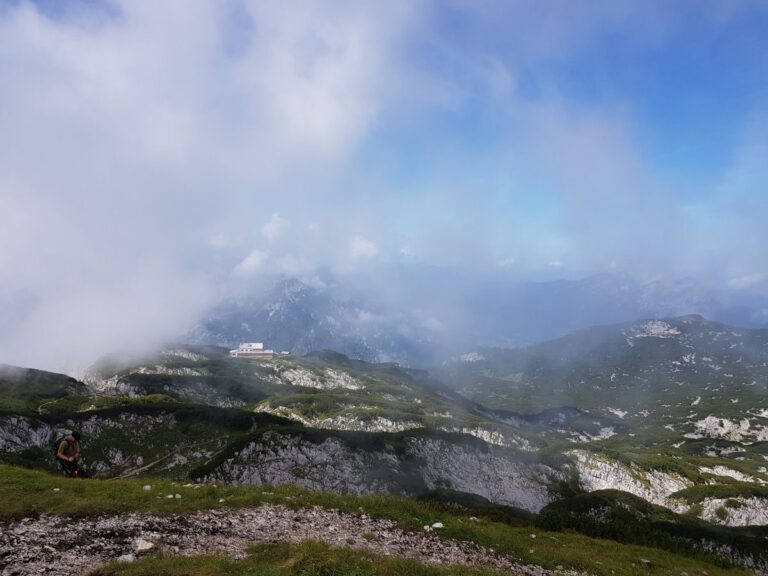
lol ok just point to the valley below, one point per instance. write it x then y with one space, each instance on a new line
650 433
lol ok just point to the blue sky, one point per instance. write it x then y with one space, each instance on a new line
671 96
191 144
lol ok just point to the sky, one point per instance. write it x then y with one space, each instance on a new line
155 154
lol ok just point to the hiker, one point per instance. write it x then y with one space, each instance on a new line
68 452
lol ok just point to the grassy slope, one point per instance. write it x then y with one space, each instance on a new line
34 391
307 559
626 518
29 492
663 383
696 494
630 372
385 392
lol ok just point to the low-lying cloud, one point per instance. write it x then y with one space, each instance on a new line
152 155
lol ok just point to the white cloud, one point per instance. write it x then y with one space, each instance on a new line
139 141
360 248
142 140
273 229
219 241
252 263
432 324
748 281
295 265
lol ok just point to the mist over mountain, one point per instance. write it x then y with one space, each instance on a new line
529 312
439 319
295 317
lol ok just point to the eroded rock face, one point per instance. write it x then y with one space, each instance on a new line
736 431
329 379
18 433
727 472
141 427
327 465
738 511
492 437
377 424
112 386
424 464
491 474
599 473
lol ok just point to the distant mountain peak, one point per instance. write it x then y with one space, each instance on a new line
291 289
301 316
689 318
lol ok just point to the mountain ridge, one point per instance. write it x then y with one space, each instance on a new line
369 324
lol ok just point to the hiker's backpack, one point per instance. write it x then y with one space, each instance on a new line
56 444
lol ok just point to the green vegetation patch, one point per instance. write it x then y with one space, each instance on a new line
626 518
308 558
104 402
697 494
480 506
27 391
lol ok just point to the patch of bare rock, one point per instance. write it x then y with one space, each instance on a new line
51 544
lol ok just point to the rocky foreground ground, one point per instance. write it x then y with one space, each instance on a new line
51 544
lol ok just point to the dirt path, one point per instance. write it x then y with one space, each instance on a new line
59 545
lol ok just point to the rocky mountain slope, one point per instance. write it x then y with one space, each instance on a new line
328 390
300 318
324 421
702 379
59 545
637 407
692 395
416 318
